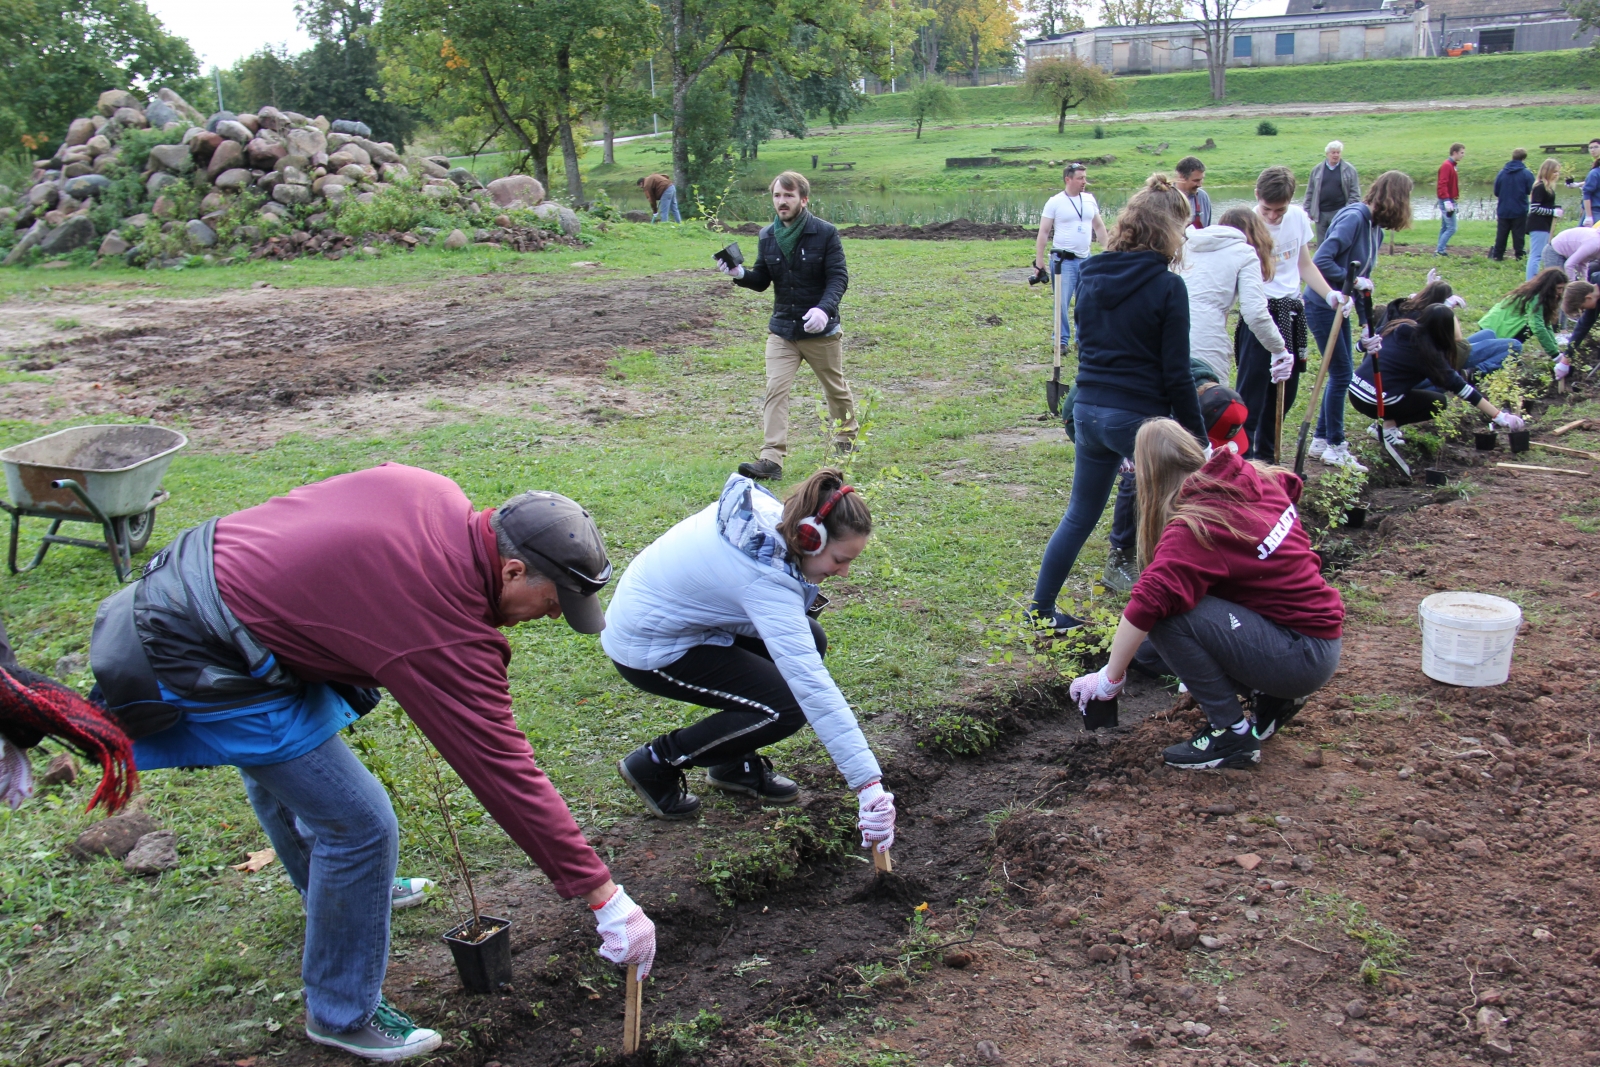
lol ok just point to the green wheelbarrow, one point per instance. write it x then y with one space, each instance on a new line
109 475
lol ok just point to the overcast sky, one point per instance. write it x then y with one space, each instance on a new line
222 33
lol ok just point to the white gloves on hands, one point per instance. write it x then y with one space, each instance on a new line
1095 686
1334 298
1433 273
1449 207
1560 211
626 933
1363 285
876 817
1507 421
1563 368
1281 367
815 320
1371 344
732 272
1455 301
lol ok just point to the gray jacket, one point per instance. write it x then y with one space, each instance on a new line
1347 177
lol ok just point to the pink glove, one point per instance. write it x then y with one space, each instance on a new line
1363 285
626 933
1455 301
1562 370
732 272
876 817
1095 686
1371 344
1281 367
1334 298
1560 212
815 320
1507 421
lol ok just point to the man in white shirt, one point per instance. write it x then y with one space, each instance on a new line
1292 234
1071 219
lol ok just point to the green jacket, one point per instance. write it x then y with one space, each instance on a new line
1507 322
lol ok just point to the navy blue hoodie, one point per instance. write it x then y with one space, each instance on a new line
1133 338
1512 185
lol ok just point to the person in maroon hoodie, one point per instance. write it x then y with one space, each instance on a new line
1231 599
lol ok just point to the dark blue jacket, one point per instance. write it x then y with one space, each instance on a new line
1352 236
1512 185
1133 338
816 278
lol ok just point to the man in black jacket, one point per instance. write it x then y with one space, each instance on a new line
801 257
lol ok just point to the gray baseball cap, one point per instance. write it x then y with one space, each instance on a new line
565 545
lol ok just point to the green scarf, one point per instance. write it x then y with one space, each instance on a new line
789 236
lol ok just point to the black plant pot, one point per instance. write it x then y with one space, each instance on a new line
1100 714
1519 441
1356 518
1486 441
485 964
1436 476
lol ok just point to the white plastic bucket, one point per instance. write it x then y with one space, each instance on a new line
1467 638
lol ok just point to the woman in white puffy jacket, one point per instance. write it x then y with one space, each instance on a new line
1223 265
715 613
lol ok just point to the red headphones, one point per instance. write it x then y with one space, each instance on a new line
812 535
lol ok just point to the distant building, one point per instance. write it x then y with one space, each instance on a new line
1324 31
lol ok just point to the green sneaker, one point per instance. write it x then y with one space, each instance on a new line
388 1035
409 892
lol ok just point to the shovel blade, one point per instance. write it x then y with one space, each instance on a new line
1052 393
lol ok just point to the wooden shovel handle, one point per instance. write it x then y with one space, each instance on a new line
881 861
631 1014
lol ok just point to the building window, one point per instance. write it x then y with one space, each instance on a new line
1241 48
1285 44
1497 41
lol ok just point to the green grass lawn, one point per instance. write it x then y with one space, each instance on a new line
946 348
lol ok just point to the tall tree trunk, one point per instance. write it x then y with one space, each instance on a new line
744 88
610 157
569 144
975 56
538 149
541 152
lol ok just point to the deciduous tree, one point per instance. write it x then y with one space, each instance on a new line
1215 20
930 98
1069 83
1140 12
1046 18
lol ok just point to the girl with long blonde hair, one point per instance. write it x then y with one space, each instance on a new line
1542 212
1231 599
1223 265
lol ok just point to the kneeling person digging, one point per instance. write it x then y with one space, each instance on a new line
1231 599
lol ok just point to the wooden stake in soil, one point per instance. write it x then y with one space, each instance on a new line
1565 451
632 1012
881 861
1575 424
1542 470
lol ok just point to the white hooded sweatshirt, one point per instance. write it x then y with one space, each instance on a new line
1221 268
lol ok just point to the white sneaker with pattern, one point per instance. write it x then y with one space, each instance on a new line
1339 456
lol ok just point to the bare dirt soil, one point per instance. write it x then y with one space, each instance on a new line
252 365
1088 906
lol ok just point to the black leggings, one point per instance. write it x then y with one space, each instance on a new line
1417 405
756 707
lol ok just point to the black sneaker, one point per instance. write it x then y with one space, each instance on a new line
762 470
662 788
1059 623
1121 570
753 777
1215 748
1273 713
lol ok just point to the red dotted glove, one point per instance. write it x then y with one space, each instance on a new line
627 935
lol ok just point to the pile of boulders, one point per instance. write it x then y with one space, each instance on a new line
300 170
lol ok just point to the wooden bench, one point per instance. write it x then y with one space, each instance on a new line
1584 147
839 166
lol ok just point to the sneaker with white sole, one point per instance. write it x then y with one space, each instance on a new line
1211 749
1389 445
1393 431
1319 445
1339 456
389 1035
409 892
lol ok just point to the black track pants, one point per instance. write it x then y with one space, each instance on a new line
756 707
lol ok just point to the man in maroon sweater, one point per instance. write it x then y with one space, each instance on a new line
1448 187
382 578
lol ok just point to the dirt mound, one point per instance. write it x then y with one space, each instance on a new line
954 230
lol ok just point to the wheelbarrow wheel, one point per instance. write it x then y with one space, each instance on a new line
138 529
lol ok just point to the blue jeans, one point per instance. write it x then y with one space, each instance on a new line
667 205
1489 351
1447 227
334 830
1066 271
1319 320
1104 438
1538 240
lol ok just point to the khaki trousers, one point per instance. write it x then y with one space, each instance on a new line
826 356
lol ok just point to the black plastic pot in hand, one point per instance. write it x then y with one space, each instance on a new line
1100 714
484 962
1519 440
1485 442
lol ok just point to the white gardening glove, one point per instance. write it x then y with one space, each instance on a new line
1281 367
1334 298
16 776
1507 421
876 818
1563 368
1209 452
815 320
1433 272
1371 344
1449 207
1095 686
626 933
1363 285
1455 302
732 272
1588 220
1560 211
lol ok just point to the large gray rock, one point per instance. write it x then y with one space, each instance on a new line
34 235
113 246
287 194
565 217
159 181
396 172
179 104
431 168
216 117
455 241
45 195
79 132
112 99
271 119
234 130
74 233
350 153
154 853
264 154
464 178
378 153
233 180
87 185
159 113
172 157
516 190
131 118
98 144
306 141
360 129
114 837
229 154
200 234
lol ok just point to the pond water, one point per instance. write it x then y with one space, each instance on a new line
871 206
